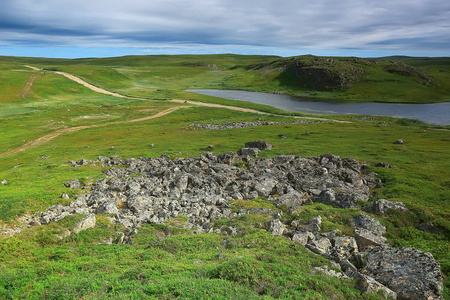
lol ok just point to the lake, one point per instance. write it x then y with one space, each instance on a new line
434 113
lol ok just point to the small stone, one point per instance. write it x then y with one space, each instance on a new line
64 196
4 182
398 142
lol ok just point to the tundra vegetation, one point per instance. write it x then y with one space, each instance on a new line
167 260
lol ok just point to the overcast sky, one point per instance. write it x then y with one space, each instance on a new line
82 28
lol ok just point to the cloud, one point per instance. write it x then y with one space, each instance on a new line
396 25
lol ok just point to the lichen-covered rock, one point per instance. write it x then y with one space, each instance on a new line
411 273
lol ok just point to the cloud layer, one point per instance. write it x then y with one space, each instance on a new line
398 26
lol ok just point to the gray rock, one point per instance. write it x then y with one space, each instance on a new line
411 273
107 207
261 145
370 286
347 267
340 200
4 182
64 196
363 221
430 228
293 200
312 226
248 151
302 237
73 184
332 273
365 238
398 142
368 231
382 206
276 227
86 223
344 246
229 158
321 245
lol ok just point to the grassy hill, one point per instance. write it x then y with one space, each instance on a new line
389 79
166 260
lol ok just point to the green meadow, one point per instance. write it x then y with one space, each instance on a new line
167 261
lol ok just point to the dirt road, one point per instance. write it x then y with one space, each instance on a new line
50 136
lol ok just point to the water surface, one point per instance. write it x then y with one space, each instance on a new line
434 113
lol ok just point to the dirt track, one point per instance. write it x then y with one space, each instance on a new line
48 137
28 86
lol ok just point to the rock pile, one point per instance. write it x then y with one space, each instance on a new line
226 125
152 190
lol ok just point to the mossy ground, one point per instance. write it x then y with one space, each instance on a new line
167 261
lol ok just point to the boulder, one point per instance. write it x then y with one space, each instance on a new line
229 158
321 245
276 227
411 273
302 237
292 200
340 200
248 151
368 231
363 221
382 206
344 246
261 145
430 228
313 225
332 273
107 207
367 284
85 223
73 184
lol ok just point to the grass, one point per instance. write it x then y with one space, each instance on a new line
167 261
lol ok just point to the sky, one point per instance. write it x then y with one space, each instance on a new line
105 28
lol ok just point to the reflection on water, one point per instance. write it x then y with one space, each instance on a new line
435 113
